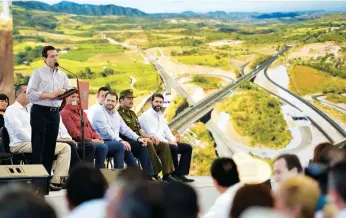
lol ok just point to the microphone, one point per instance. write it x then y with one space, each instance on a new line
58 65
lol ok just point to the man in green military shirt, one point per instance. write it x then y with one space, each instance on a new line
157 152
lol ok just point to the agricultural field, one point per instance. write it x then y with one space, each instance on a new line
336 98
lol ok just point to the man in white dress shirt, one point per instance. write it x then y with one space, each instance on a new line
108 124
336 189
154 124
17 123
45 85
100 100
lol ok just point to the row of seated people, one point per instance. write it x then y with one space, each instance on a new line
119 134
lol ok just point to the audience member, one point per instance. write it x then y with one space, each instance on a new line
17 123
86 187
71 118
76 149
4 101
142 200
337 188
160 154
153 123
100 100
259 212
286 166
109 125
321 153
249 196
226 180
180 200
297 197
19 202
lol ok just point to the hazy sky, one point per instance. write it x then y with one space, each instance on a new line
159 6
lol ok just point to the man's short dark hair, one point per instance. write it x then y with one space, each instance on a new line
337 178
85 183
112 94
225 172
46 49
18 202
157 95
19 89
105 89
180 201
292 161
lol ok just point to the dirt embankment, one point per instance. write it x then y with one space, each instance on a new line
6 63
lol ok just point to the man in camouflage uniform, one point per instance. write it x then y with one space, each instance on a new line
157 152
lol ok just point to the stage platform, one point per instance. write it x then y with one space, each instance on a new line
203 185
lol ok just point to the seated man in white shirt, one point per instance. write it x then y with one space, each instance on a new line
17 123
100 100
154 124
108 124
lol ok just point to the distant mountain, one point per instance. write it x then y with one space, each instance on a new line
81 9
278 15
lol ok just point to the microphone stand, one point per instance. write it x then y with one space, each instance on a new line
82 123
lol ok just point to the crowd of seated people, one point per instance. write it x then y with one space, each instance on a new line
108 133
241 181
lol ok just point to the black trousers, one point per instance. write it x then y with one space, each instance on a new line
44 131
182 167
77 153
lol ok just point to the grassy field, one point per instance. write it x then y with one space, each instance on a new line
336 98
306 80
206 82
172 109
257 115
204 152
205 60
335 114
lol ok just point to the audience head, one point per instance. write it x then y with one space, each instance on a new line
180 200
126 99
225 173
321 153
297 197
157 101
4 101
250 196
50 56
111 100
143 200
101 94
336 185
336 155
21 94
286 166
19 202
85 183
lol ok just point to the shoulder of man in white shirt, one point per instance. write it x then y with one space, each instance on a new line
93 208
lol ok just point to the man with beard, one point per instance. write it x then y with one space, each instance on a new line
108 124
157 152
154 124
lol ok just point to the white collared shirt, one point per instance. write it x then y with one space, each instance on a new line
17 123
222 206
108 125
63 133
91 110
45 80
154 124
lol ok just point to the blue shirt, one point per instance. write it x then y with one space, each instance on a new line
108 125
46 80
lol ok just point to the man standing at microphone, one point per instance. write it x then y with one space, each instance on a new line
45 85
